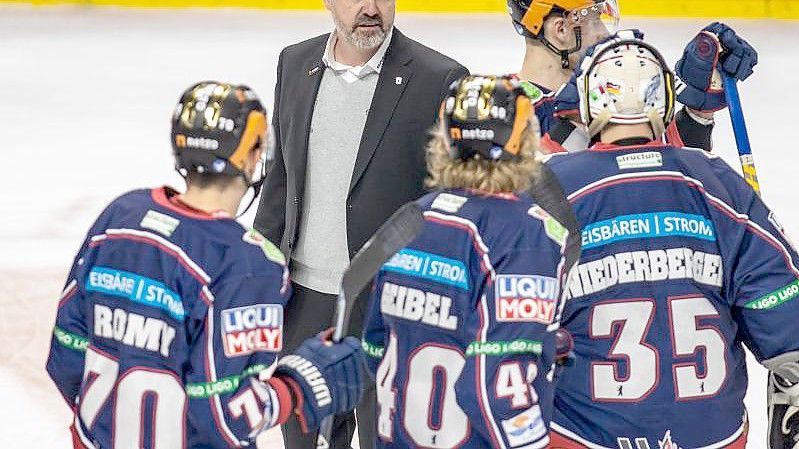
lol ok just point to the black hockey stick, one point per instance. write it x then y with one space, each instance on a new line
396 233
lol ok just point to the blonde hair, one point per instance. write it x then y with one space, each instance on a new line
481 174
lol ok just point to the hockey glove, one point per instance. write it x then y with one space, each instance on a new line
783 413
325 378
714 50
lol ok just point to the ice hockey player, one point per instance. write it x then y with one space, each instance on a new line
173 310
462 320
557 33
682 265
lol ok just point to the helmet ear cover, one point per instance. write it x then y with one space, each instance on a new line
491 130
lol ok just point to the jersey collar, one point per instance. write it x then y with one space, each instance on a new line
600 146
170 198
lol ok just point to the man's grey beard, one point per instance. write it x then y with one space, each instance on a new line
358 38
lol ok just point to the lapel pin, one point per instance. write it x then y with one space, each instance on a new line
313 71
398 80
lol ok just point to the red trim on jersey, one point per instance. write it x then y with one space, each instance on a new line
76 442
673 135
510 196
283 398
480 382
568 113
549 146
626 181
558 441
215 414
151 242
299 400
601 146
483 254
740 443
170 198
68 295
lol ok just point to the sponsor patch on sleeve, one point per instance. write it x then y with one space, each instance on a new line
449 202
271 251
525 428
554 230
529 298
776 298
158 222
249 329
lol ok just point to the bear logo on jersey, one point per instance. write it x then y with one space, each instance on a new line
250 329
526 298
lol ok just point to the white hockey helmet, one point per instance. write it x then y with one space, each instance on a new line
624 80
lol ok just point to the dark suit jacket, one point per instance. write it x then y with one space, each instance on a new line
390 165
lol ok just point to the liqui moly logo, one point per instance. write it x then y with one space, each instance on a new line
526 298
250 329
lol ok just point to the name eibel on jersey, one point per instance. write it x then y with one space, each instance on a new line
417 305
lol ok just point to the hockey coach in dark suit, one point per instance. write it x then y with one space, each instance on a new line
350 121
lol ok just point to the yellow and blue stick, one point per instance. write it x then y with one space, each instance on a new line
741 134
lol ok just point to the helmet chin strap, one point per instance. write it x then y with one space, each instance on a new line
256 190
564 54
256 187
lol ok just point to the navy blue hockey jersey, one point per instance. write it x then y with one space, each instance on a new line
167 315
682 264
460 328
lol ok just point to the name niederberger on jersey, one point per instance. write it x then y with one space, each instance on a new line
525 298
417 305
645 266
250 329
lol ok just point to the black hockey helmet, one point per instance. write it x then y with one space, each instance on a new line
214 128
485 116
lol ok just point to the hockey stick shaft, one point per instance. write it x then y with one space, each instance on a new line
396 233
741 133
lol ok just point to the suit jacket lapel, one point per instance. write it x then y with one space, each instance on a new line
394 77
304 100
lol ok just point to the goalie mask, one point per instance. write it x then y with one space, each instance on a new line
625 81
485 117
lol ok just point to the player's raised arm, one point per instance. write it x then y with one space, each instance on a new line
717 50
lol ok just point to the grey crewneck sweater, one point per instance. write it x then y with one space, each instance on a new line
321 254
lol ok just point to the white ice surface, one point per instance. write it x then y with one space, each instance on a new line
85 100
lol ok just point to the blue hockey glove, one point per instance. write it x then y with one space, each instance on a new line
715 50
325 378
